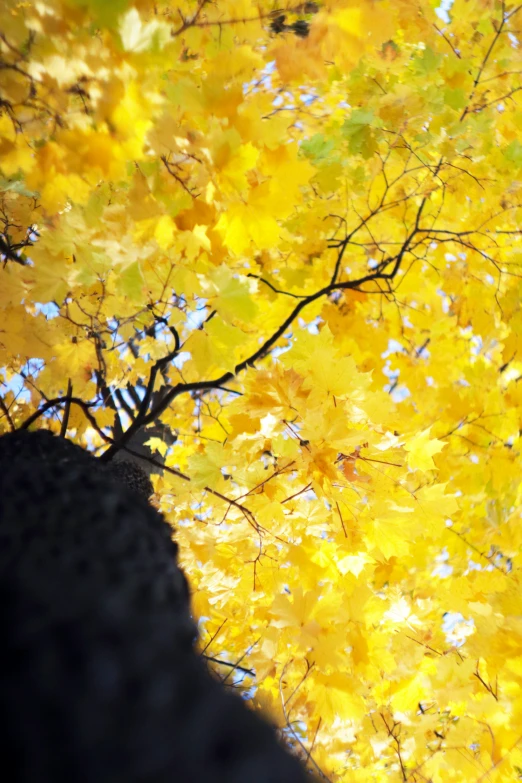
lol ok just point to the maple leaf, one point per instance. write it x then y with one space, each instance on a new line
421 449
137 36
300 256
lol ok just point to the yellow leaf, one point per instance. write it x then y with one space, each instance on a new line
156 444
234 300
388 535
205 468
408 697
420 450
164 231
353 563
138 37
335 697
243 224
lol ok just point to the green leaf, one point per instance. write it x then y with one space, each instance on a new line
358 119
130 282
455 98
485 27
318 148
427 62
16 186
513 152
104 13
360 135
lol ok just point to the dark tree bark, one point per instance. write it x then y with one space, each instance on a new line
99 678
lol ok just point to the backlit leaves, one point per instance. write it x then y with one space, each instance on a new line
287 252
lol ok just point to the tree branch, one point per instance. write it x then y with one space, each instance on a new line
7 251
7 414
55 402
250 672
146 416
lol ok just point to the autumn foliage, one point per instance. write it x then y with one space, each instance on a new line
283 247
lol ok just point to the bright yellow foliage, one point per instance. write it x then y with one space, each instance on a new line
296 243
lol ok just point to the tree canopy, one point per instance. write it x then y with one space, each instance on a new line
281 247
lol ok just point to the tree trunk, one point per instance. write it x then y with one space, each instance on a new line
99 678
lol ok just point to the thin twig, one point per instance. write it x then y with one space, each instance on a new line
250 672
294 733
7 414
236 665
146 417
66 410
56 402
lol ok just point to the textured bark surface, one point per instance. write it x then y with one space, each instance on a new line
99 679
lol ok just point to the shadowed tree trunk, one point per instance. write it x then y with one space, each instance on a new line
99 678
